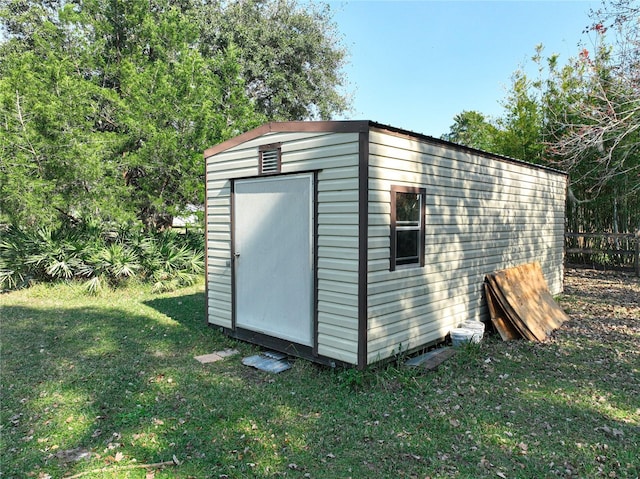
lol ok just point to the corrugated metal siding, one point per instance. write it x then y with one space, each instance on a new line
336 156
482 215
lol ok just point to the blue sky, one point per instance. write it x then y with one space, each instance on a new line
416 64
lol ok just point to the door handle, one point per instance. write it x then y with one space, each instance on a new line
237 255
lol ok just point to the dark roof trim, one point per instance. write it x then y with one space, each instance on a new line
358 126
290 126
437 141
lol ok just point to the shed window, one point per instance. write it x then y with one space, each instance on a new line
407 226
270 159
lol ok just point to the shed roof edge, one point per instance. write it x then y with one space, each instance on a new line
358 126
438 141
330 126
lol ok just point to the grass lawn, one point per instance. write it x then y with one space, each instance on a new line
100 386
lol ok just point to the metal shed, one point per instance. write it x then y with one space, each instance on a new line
348 242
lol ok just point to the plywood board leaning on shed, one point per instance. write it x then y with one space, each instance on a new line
520 303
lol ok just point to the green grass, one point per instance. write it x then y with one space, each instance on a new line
114 377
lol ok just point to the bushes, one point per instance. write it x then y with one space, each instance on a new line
99 255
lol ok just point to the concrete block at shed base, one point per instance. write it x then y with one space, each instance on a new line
217 356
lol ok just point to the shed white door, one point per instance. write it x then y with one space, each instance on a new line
273 240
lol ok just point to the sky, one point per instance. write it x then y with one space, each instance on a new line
416 64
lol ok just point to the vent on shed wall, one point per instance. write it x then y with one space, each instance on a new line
270 159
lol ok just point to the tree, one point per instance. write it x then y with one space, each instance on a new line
471 128
107 105
517 134
521 132
290 56
582 117
174 101
594 124
600 123
51 151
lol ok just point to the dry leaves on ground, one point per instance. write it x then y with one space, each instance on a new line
603 305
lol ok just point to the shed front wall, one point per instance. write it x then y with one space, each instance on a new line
482 215
335 158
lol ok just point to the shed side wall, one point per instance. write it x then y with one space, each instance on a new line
482 215
335 157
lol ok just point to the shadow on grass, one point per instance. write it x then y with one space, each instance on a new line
106 381
188 310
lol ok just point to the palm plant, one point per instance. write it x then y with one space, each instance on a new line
170 263
100 255
111 265
15 246
58 254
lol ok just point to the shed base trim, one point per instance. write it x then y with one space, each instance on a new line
283 346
